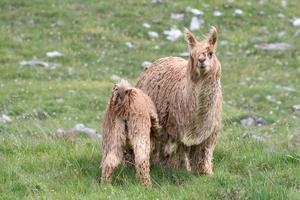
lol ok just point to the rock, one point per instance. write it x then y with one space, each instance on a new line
5 119
89 131
195 23
184 54
35 62
273 46
194 11
281 15
296 108
146 25
252 121
177 16
217 13
283 3
295 22
153 34
60 101
281 34
173 34
259 138
115 77
54 54
129 45
238 12
71 133
157 1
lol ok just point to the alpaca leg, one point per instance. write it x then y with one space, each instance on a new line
141 148
186 159
202 155
112 149
112 160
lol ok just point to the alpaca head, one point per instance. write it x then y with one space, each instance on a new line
202 53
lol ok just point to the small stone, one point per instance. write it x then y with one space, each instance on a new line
5 119
177 16
252 121
217 13
238 12
273 46
173 34
296 108
194 11
129 45
54 54
60 101
153 34
146 25
184 54
115 77
295 22
195 23
157 1
281 34
280 15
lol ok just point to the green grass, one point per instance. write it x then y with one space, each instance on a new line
92 35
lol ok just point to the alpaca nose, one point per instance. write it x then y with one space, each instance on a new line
201 60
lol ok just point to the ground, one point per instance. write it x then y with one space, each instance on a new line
251 162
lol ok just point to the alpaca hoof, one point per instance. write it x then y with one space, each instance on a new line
204 170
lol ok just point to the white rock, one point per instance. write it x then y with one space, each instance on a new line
274 46
153 34
195 23
54 54
194 11
281 34
157 1
296 108
238 12
283 3
217 13
35 62
280 15
129 45
223 42
184 54
115 77
296 22
5 119
146 25
89 131
60 101
173 34
177 16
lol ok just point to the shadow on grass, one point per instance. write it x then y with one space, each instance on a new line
125 174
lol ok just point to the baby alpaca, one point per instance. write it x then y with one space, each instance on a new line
129 119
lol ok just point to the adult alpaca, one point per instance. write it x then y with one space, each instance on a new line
188 98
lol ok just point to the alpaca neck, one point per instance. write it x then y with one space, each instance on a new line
206 92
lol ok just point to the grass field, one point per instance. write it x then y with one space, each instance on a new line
251 162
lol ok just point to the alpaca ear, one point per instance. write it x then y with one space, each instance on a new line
212 40
190 38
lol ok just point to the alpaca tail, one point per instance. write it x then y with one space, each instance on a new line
122 86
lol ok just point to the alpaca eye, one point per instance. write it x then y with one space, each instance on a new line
210 54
